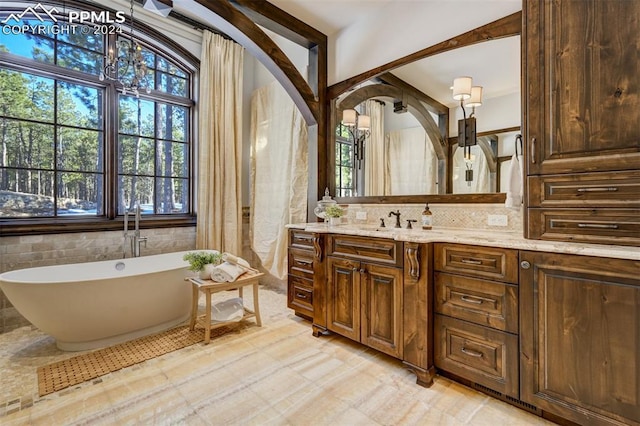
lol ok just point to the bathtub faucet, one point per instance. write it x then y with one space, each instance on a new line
134 238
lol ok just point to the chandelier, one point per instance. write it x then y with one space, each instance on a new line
126 65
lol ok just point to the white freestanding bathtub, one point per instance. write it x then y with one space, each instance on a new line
90 305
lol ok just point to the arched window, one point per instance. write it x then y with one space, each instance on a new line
72 144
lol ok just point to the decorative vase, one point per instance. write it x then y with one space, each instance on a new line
335 220
205 274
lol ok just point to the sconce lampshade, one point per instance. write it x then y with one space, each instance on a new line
364 122
349 117
462 88
476 97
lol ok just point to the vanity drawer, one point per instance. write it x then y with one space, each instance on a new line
377 250
604 189
599 226
478 354
300 295
301 239
301 263
487 303
483 262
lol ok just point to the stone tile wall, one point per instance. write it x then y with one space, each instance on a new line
466 216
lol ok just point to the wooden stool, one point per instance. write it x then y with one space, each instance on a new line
209 287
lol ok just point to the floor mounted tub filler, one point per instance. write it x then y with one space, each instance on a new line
97 304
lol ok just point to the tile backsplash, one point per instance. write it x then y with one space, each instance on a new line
464 216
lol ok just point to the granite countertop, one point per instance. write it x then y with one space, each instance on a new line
488 238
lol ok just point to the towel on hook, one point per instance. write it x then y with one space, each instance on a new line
514 183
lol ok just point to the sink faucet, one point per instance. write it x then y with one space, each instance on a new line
134 237
397 215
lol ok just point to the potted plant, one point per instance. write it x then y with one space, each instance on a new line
334 213
203 262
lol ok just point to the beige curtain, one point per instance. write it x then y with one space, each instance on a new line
219 223
411 163
374 150
481 179
279 149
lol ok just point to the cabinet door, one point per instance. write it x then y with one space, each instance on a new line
580 81
343 301
580 337
382 309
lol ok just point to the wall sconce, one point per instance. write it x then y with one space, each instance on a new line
359 126
463 90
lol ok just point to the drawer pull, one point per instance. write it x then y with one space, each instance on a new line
301 296
603 189
304 237
305 262
473 300
471 352
533 150
471 261
597 226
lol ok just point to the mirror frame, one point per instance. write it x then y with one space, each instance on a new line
508 26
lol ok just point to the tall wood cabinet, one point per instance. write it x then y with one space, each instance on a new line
580 337
582 108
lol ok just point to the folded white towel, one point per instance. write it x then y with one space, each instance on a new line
514 187
226 272
228 310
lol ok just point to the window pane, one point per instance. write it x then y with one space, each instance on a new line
79 106
79 59
85 37
173 85
39 48
136 116
346 155
169 68
28 144
135 155
172 195
132 189
173 122
26 96
171 159
80 150
25 193
78 193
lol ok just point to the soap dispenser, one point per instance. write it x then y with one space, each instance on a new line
427 217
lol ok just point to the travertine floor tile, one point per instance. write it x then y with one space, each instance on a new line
278 374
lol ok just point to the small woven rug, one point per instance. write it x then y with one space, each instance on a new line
63 374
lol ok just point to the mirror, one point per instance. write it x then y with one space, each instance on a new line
434 167
489 162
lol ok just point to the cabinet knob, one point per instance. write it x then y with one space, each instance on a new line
525 265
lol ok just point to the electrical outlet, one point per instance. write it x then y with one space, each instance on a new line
361 215
497 220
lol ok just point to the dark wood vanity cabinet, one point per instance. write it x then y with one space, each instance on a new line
581 103
364 291
305 292
476 315
580 337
